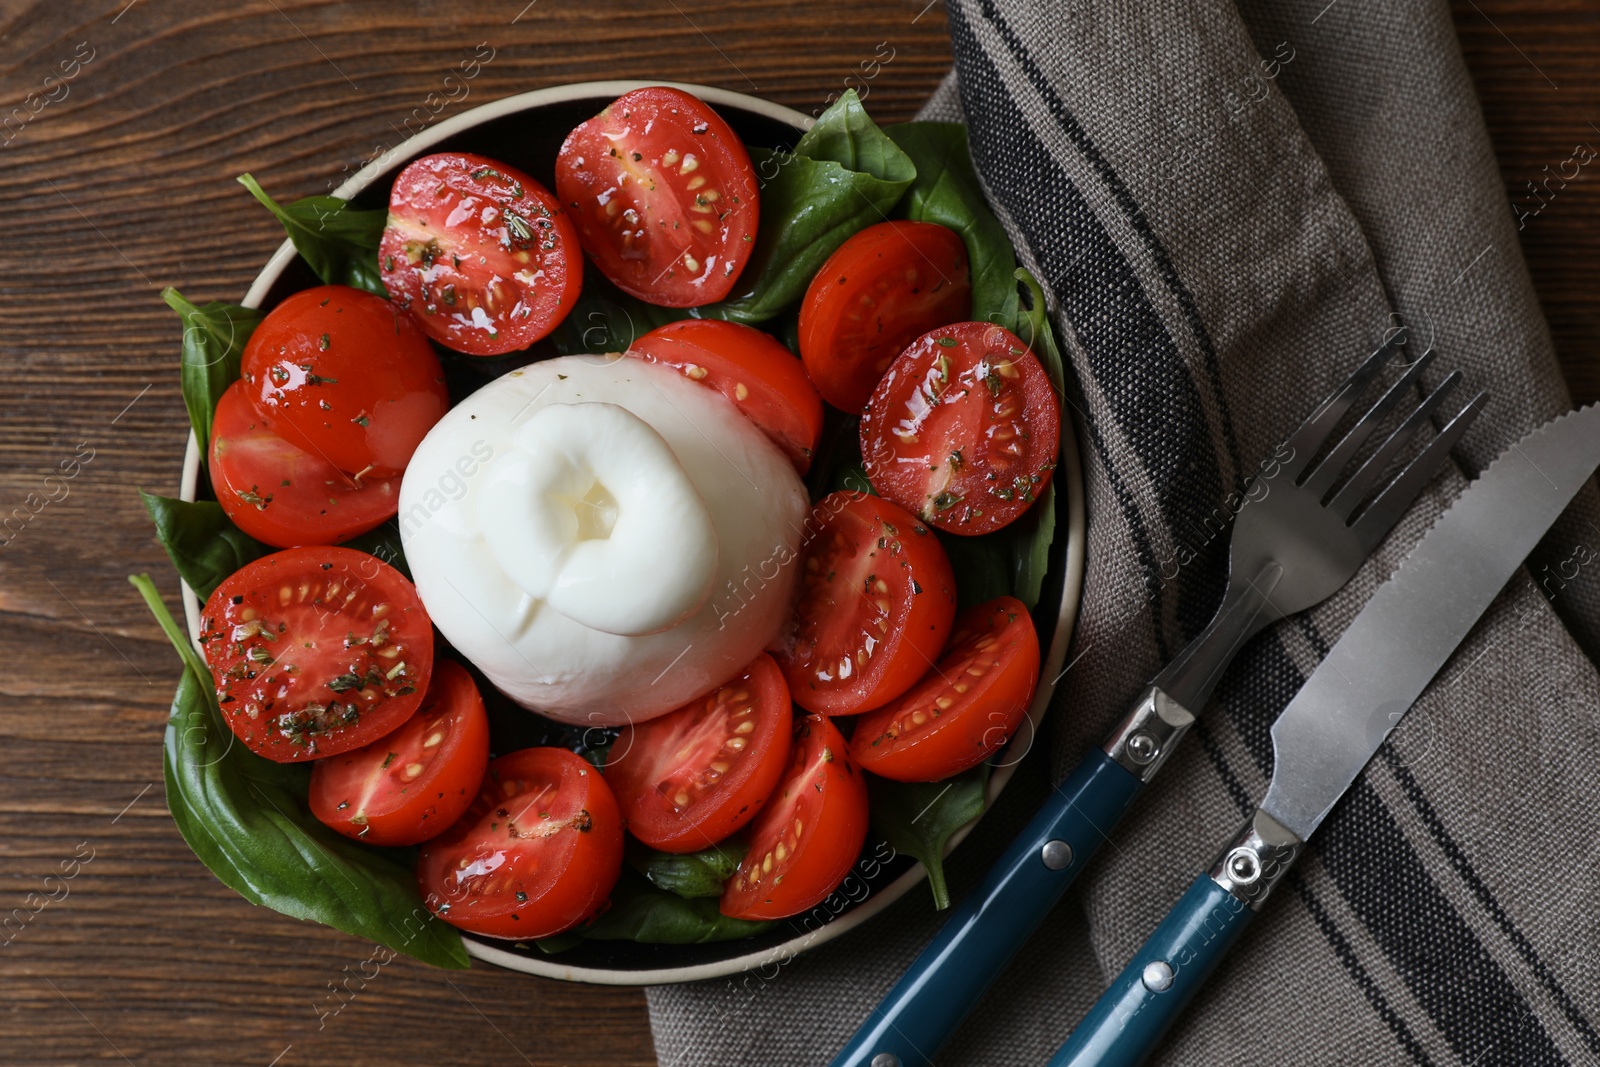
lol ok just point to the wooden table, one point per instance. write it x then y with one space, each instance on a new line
126 185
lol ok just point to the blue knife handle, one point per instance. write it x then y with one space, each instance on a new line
1132 1016
985 930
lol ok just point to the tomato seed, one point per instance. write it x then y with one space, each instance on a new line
740 392
689 164
745 728
736 744
670 158
433 739
412 770
766 864
696 182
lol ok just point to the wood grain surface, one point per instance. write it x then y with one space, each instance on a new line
124 183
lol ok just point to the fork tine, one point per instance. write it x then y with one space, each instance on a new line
1387 509
1322 479
1315 430
1362 482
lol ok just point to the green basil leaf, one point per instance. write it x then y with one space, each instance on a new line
641 912
204 546
246 818
384 543
691 875
213 340
846 134
843 176
605 319
947 192
339 242
917 818
983 566
1034 533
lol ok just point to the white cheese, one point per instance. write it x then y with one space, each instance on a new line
605 539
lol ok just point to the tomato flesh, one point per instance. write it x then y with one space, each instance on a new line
877 599
663 195
536 853
968 706
346 376
750 368
480 254
412 784
964 429
316 651
279 493
884 287
688 779
809 834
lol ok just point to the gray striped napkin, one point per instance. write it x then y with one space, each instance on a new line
1230 205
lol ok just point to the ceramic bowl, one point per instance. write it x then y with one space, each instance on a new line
525 131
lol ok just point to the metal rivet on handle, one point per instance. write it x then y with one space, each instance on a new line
1142 748
1157 978
1242 866
885 1059
1057 855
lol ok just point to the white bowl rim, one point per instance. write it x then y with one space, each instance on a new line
1070 465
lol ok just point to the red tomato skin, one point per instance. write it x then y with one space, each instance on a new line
964 430
895 548
752 369
828 793
742 790
346 376
282 495
458 275
410 813
976 722
880 290
631 158
255 626
583 855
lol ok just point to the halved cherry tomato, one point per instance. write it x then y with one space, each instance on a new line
346 376
809 834
877 598
536 853
964 429
412 784
279 493
750 368
663 195
884 287
316 651
691 777
968 706
481 254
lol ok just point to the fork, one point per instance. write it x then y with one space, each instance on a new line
1299 536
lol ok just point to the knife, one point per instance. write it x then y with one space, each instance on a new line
1338 720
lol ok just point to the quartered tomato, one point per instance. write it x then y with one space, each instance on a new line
346 376
481 254
877 598
316 651
884 287
279 493
413 783
809 834
964 429
663 195
689 778
968 706
750 368
536 853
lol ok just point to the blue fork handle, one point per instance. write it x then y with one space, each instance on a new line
1130 1018
985 930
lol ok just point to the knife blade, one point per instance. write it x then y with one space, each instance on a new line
1340 717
